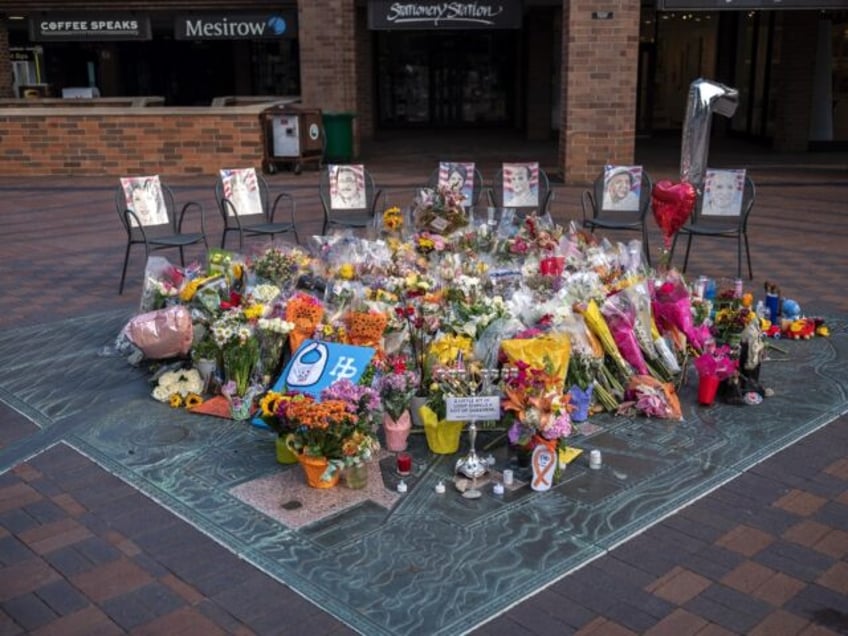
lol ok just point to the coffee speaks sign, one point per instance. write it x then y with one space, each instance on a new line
66 27
387 15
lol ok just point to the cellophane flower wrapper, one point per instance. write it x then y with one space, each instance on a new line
716 362
672 305
279 263
164 333
162 281
597 324
639 296
547 351
653 398
488 345
620 316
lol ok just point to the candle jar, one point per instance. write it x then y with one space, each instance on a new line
404 463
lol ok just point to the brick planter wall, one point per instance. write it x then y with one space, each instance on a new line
165 141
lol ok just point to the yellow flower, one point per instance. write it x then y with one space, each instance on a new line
269 403
254 312
823 331
447 348
192 400
175 401
347 271
190 289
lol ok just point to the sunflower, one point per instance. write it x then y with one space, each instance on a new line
192 400
175 401
269 403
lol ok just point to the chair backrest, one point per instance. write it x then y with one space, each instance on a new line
347 188
523 186
450 173
243 192
146 202
727 198
622 192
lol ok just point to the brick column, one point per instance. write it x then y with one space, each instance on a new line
794 82
365 71
328 68
5 62
599 74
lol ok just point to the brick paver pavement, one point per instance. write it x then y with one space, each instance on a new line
81 552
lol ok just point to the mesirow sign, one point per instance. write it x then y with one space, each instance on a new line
236 26
387 14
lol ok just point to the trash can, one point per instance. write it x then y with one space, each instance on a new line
338 129
292 136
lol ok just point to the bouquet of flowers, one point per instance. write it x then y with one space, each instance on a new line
439 211
672 309
280 265
180 387
535 407
397 386
716 361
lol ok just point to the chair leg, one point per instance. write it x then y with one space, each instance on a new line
646 246
739 257
182 256
686 258
748 254
224 238
124 270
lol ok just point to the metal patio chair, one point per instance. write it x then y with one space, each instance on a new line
262 219
358 214
735 226
595 216
150 216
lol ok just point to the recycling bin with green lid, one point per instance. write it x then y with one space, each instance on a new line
338 132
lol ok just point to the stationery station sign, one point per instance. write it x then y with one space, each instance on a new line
388 15
235 26
66 27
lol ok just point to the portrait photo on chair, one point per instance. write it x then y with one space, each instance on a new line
144 197
520 185
723 191
242 191
347 187
458 176
622 188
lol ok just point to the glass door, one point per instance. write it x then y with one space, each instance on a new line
438 79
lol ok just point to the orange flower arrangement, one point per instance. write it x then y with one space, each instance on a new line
305 312
365 328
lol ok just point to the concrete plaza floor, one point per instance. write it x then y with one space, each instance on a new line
765 554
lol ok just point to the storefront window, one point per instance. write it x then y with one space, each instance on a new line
446 79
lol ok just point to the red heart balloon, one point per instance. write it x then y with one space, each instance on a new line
672 203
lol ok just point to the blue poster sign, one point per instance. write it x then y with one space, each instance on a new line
318 364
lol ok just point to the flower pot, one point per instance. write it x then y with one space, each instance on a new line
285 454
707 389
356 476
313 469
442 435
396 431
415 409
581 400
240 410
206 367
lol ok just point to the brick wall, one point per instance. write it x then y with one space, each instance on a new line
365 72
5 62
102 141
794 81
599 61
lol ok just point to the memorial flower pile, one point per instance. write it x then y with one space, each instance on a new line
453 295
